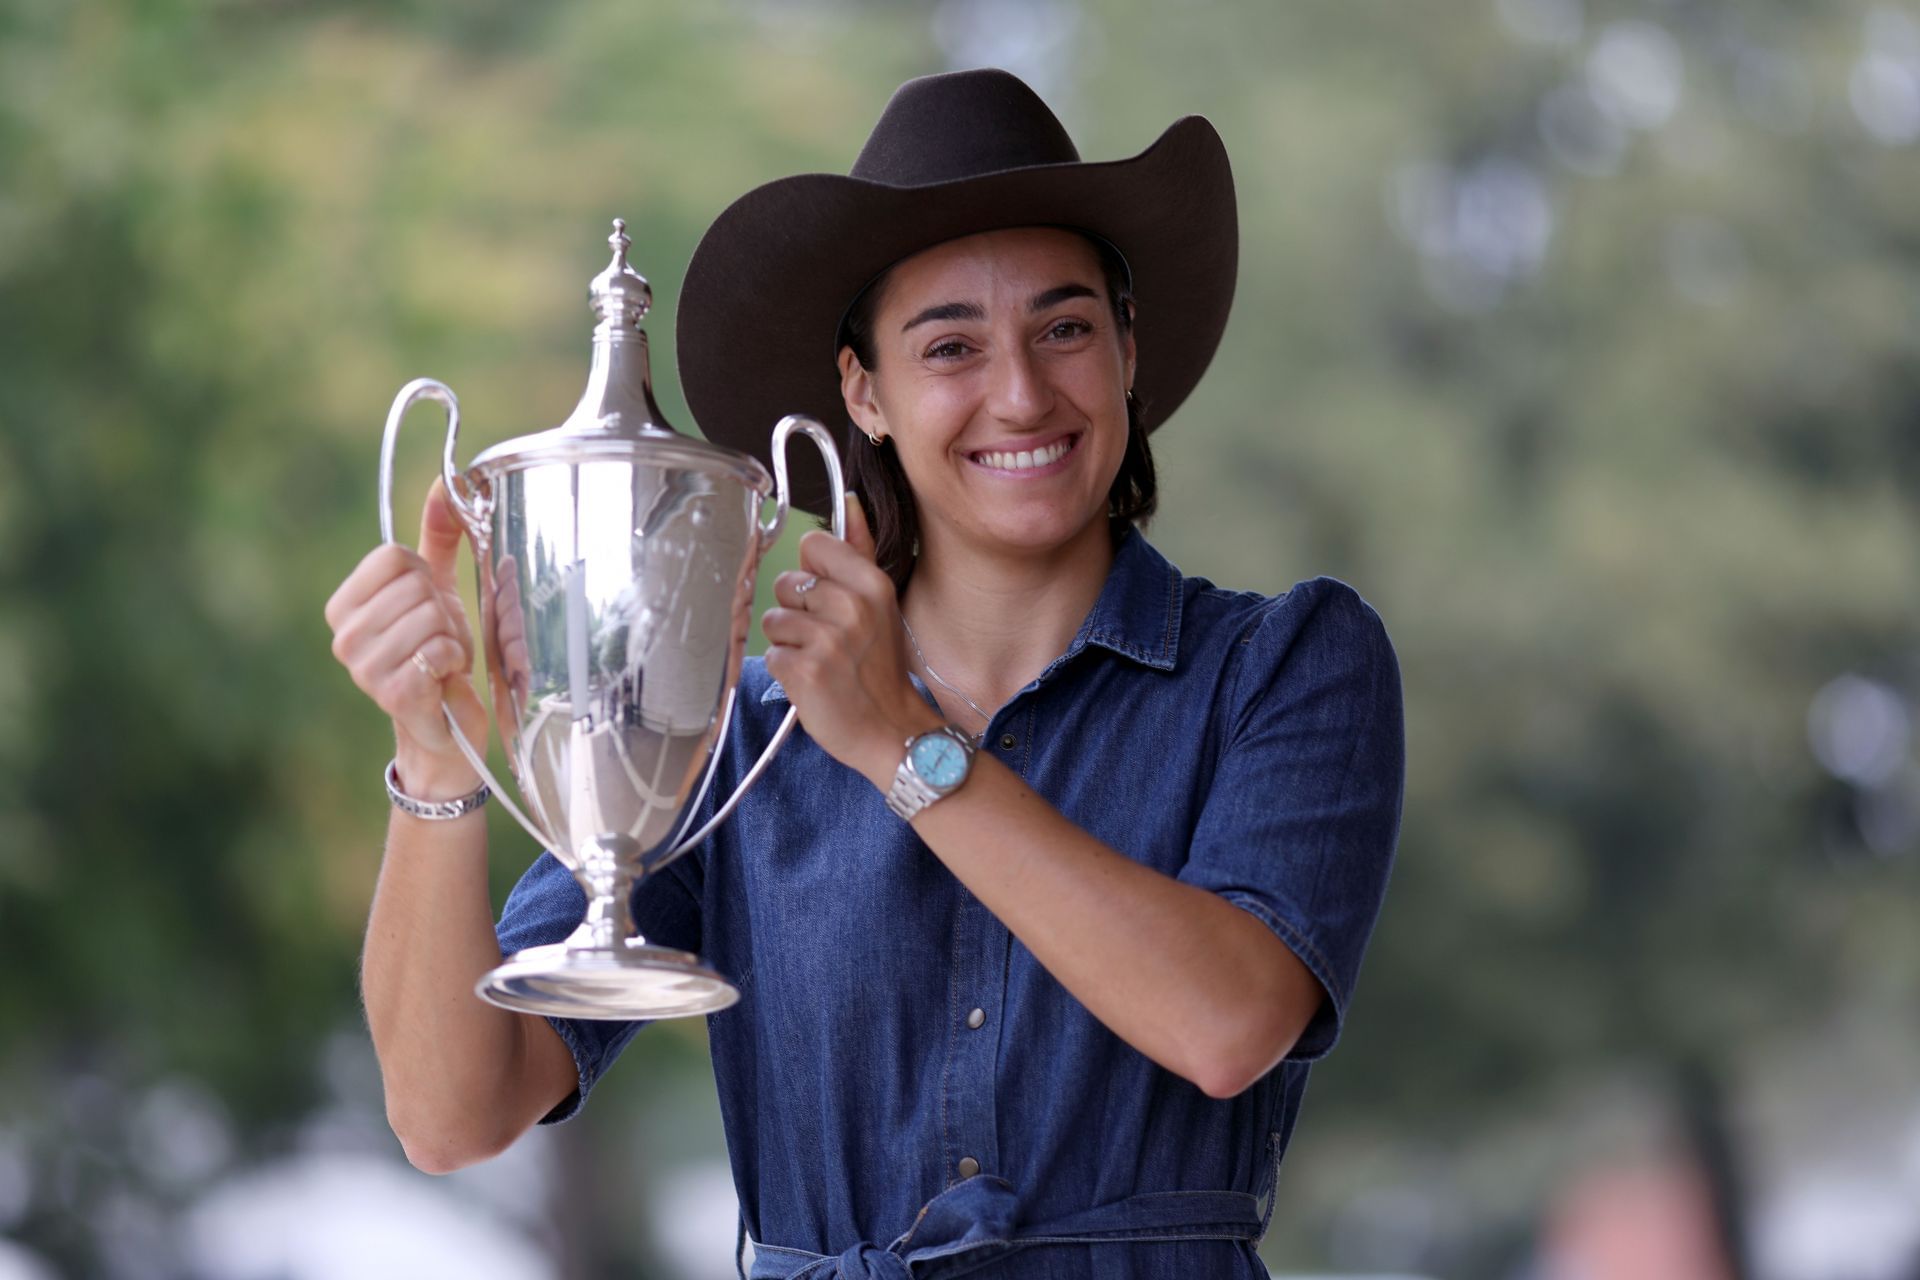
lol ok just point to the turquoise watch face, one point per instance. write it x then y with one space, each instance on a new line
939 760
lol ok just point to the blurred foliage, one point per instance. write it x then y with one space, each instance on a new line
1615 424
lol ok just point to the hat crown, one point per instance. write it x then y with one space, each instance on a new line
961 124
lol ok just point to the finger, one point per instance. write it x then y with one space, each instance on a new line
794 667
457 616
376 569
828 601
395 648
366 625
508 615
506 586
439 659
515 661
792 588
509 625
416 691
823 554
793 628
859 532
742 623
440 531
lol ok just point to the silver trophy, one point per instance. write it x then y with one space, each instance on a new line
616 564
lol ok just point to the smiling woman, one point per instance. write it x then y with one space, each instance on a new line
877 473
1010 362
1040 924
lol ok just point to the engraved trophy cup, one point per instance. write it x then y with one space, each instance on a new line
616 562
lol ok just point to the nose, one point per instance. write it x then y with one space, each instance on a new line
1020 393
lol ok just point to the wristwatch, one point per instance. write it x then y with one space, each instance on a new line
935 765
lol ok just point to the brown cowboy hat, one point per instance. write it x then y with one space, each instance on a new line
952 155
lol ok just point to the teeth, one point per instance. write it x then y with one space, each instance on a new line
1025 460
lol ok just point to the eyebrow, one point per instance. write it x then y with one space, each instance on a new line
1057 295
974 311
947 311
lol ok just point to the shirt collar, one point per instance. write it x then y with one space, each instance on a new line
1137 615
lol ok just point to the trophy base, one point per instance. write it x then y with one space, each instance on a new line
634 982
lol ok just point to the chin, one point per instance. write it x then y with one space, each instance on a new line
1043 531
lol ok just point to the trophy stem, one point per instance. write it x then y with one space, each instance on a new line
609 883
605 969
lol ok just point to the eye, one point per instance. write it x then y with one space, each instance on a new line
945 349
1068 327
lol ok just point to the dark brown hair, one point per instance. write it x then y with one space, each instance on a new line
875 473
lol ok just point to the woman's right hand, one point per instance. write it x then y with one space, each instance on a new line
401 632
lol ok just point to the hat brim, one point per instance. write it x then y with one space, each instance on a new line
769 282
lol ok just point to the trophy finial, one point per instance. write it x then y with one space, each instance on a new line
621 295
619 395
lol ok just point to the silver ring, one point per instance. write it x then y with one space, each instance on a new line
811 582
426 668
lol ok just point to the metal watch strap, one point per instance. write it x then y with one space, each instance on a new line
910 793
432 810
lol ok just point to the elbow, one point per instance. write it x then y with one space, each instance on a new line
440 1159
1224 1079
1240 1058
439 1148
1248 1036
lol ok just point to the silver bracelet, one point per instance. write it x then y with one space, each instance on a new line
433 810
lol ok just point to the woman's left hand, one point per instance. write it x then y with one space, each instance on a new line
838 650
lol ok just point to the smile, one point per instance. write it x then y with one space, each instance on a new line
1027 459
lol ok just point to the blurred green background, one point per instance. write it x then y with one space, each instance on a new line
1582 338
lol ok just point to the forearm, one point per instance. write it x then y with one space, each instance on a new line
1187 978
458 1072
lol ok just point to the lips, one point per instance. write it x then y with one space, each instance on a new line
1027 459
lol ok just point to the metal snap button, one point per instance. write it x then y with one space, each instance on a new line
976 1019
1008 742
968 1166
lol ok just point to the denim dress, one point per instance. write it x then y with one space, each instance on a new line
905 1091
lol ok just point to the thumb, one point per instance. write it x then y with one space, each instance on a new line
440 531
859 532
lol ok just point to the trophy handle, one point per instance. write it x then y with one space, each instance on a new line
411 394
837 482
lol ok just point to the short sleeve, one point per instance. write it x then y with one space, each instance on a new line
548 904
1301 818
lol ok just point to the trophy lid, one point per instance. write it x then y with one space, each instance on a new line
617 415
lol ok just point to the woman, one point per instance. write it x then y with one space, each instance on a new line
1041 921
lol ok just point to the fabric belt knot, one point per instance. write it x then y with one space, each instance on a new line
972 1222
863 1262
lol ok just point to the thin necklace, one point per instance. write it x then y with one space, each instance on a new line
935 677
